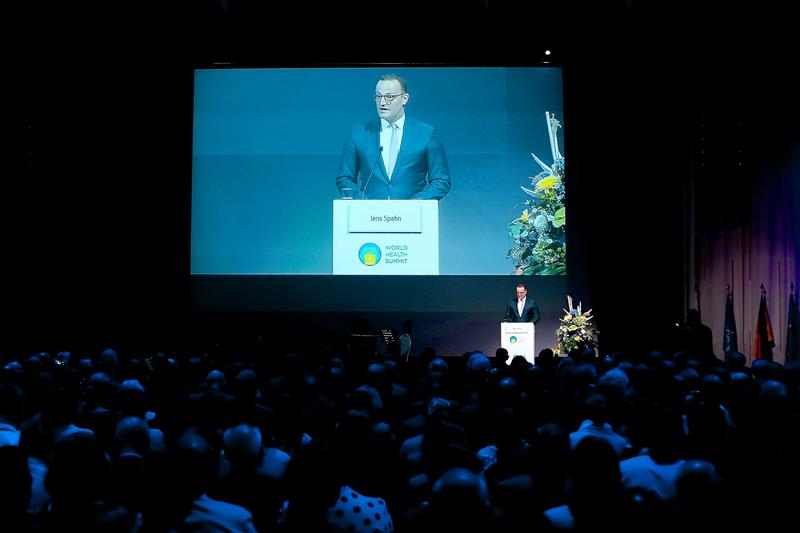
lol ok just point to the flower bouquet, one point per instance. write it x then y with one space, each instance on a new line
539 231
576 330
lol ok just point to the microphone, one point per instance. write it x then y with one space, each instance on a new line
371 172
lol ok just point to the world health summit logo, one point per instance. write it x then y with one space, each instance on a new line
513 339
369 254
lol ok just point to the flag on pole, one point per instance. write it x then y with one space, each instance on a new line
793 328
765 340
730 342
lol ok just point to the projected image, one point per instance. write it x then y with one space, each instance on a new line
539 232
378 171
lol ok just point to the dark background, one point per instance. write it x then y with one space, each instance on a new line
95 195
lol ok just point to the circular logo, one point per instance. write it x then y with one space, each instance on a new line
369 254
513 339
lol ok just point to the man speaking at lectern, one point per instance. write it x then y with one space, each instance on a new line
393 157
522 309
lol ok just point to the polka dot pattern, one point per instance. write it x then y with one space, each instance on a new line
348 514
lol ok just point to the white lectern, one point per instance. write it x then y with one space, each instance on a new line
386 237
519 338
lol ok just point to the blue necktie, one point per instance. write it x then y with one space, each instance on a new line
393 148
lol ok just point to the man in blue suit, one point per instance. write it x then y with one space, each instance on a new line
394 156
523 309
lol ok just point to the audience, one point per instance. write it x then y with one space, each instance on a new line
324 441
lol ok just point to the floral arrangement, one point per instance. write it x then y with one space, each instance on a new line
539 232
576 330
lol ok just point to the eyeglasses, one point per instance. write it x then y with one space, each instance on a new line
388 97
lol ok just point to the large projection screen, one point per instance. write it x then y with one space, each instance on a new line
267 149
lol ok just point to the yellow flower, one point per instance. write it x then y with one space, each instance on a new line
546 183
524 216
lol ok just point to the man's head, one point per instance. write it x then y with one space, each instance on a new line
243 445
460 487
133 434
522 291
391 96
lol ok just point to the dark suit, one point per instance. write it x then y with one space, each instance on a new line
530 313
420 172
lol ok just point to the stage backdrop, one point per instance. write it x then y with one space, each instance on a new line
266 150
267 144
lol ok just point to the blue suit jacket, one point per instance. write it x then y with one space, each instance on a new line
420 172
530 313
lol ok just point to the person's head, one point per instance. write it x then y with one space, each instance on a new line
614 383
693 317
194 463
133 435
242 445
501 354
132 398
522 291
546 356
108 360
460 488
391 96
596 408
735 361
477 363
215 380
437 368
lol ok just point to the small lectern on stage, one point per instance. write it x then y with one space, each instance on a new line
386 237
519 338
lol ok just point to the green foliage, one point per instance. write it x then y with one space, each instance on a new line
575 331
539 232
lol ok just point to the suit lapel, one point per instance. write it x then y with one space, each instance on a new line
376 144
408 137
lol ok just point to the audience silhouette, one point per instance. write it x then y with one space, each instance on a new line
326 441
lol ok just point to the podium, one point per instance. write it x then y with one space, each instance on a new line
386 237
519 338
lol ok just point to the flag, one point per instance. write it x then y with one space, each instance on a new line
730 342
765 341
793 329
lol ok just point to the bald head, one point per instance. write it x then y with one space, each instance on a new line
134 434
242 442
461 485
215 380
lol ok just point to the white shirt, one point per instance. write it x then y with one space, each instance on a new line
520 306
